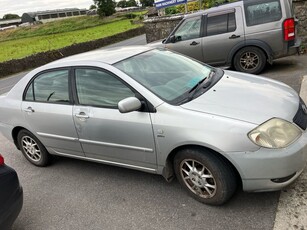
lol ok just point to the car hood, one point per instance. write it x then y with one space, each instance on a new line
247 98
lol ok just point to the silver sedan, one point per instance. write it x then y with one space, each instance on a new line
158 111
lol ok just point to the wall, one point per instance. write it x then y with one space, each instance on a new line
300 8
33 61
158 28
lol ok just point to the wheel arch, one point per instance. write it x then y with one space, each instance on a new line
168 170
15 132
251 43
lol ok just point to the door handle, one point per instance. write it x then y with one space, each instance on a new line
194 43
234 36
29 110
82 115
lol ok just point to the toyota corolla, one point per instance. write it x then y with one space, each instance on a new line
161 112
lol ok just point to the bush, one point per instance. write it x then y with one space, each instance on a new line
171 10
130 16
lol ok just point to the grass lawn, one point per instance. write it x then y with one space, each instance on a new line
61 26
29 41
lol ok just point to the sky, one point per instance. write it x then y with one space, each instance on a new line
22 6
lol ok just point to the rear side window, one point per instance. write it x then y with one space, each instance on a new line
221 24
260 12
49 87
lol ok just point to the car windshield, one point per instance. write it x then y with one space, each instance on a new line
168 75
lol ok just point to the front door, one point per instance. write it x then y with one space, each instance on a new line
104 132
188 38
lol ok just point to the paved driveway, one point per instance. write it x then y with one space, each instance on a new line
289 70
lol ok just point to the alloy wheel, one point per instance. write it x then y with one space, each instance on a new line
198 178
31 148
249 61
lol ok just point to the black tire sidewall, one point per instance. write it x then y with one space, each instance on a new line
225 179
258 52
45 157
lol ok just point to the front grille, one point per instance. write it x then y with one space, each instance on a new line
300 117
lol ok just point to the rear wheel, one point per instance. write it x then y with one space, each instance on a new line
33 150
250 60
206 177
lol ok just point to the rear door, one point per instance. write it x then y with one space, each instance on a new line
188 38
223 31
47 108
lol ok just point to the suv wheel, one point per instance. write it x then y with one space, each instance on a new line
205 176
250 60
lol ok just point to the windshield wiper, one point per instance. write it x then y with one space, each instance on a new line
200 85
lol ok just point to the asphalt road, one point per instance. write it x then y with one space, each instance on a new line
73 194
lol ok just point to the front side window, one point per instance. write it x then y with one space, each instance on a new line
221 24
168 75
49 87
100 88
260 12
189 29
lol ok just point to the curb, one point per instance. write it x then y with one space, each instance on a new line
292 207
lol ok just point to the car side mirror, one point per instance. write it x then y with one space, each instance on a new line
172 39
129 104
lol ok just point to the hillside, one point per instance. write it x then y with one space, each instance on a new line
23 42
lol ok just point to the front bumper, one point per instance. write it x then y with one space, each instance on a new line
271 169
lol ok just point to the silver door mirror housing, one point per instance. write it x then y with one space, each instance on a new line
129 104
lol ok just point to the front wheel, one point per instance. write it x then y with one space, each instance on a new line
34 151
249 60
206 177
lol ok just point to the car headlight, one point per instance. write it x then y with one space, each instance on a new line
275 133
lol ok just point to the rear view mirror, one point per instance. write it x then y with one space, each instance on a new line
129 104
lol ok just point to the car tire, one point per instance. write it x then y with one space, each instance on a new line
33 150
206 177
250 60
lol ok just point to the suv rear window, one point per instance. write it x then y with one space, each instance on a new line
260 12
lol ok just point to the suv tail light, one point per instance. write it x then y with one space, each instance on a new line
289 29
1 160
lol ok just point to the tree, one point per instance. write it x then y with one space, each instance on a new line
93 7
131 3
105 7
147 2
10 16
122 4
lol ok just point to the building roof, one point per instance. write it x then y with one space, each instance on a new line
34 14
18 20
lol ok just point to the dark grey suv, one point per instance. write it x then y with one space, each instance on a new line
245 34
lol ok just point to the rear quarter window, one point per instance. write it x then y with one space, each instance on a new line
261 12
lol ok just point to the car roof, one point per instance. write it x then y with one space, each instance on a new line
218 8
106 55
